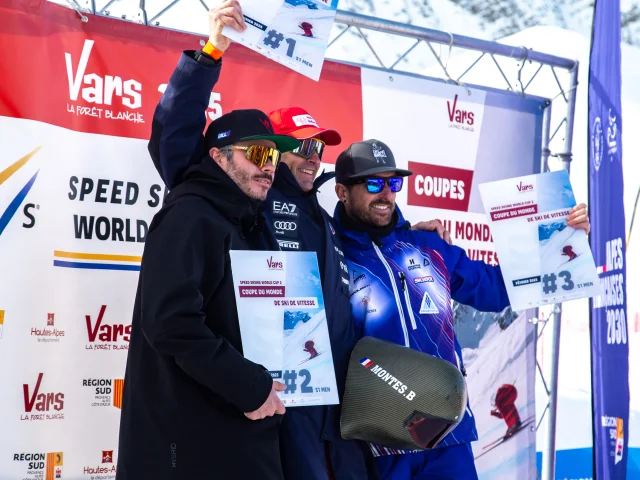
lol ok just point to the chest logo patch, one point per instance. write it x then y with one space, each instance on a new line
428 305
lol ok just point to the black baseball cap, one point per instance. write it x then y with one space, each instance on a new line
364 159
242 125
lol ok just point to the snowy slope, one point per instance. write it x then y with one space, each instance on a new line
552 259
320 368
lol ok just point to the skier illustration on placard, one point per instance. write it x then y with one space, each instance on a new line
568 251
309 347
504 403
306 27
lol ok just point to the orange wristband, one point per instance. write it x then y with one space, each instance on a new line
212 51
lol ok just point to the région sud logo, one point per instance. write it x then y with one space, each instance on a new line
101 90
40 404
48 332
106 336
40 466
107 392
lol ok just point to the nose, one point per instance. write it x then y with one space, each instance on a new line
268 168
314 159
386 193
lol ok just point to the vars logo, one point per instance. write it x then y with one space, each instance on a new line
100 89
524 188
458 118
107 336
34 401
274 265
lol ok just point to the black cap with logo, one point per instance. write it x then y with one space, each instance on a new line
242 125
365 159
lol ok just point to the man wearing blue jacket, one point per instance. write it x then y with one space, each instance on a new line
402 284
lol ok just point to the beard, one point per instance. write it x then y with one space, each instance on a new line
375 218
244 180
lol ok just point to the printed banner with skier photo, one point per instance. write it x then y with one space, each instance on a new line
283 323
543 261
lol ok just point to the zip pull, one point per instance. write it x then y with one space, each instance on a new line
402 280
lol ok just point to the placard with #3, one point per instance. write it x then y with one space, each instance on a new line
543 260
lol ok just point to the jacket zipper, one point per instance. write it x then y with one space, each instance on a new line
407 300
395 293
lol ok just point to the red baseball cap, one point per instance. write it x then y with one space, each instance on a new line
297 122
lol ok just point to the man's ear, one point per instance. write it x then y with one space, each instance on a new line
342 192
219 157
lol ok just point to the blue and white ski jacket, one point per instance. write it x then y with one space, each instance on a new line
401 291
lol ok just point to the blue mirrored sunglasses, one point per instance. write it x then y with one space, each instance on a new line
376 184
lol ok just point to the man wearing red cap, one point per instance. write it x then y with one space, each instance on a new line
311 445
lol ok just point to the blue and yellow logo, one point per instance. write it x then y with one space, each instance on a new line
10 211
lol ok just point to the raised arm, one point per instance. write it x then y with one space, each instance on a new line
179 119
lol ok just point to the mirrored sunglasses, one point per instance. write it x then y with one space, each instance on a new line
310 146
376 184
259 155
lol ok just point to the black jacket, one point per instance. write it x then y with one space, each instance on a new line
186 383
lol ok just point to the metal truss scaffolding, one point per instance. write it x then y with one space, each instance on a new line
515 69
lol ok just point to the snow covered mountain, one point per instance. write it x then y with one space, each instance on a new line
476 18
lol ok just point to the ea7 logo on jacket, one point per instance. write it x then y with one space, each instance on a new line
100 89
284 208
386 377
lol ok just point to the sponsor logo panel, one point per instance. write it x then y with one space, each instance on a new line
41 466
441 187
42 402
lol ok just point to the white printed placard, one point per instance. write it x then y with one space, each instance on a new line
294 33
283 323
543 260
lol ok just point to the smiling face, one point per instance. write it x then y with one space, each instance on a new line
253 181
374 209
303 169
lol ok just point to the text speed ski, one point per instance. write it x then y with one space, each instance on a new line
543 261
283 323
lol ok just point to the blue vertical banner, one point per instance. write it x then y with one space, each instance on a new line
609 347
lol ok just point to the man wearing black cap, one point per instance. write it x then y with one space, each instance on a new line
193 406
403 284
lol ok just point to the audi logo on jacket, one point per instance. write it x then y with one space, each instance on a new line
401 291
290 226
